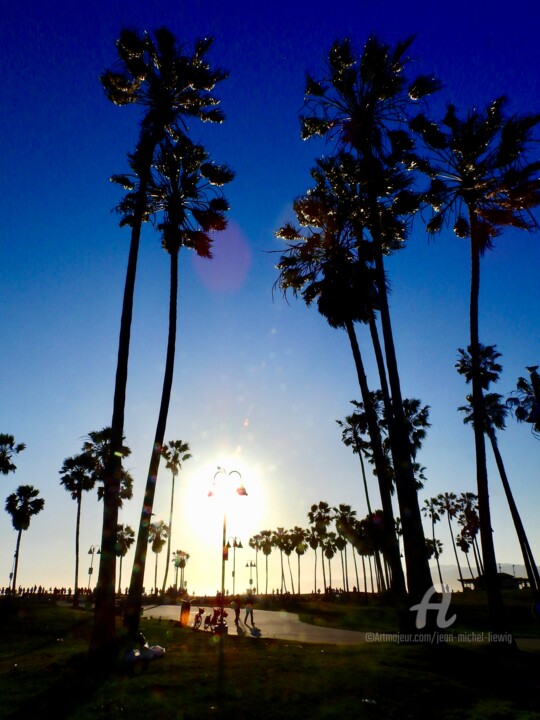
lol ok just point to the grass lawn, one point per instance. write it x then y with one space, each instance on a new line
44 673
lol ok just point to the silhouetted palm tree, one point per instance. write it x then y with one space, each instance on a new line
255 543
449 506
175 453
22 505
494 414
480 178
329 263
96 446
362 103
180 559
431 510
320 518
157 536
8 448
77 476
299 539
186 186
470 524
266 547
279 542
125 537
170 85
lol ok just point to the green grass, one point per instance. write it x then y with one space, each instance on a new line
45 673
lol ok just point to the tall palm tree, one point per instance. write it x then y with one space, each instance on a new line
279 541
320 518
470 524
170 84
180 559
157 536
125 537
266 547
9 448
77 476
481 179
329 263
495 413
299 539
22 505
186 186
431 510
344 518
329 549
255 544
361 103
314 542
175 453
449 506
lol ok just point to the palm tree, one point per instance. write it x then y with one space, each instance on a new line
525 400
344 518
299 539
470 524
320 518
187 187
279 542
125 537
97 446
255 544
329 549
9 448
323 264
22 505
494 413
431 510
481 179
77 476
180 559
266 547
362 103
157 536
449 506
175 453
169 84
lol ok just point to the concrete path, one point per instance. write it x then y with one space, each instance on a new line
280 625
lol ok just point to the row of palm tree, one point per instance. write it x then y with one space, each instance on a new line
365 193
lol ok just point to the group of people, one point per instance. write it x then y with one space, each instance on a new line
237 606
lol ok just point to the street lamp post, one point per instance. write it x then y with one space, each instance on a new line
93 549
240 490
251 565
236 543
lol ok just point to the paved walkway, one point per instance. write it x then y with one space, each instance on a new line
280 625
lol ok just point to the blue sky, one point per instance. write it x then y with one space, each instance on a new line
258 383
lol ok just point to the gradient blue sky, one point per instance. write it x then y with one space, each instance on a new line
258 383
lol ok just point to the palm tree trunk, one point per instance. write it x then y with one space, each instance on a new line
454 546
364 571
528 559
120 576
491 580
16 564
418 571
266 575
315 579
435 551
169 538
356 570
77 549
103 629
392 548
290 573
134 601
371 574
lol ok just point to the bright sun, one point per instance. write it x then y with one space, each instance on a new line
204 514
